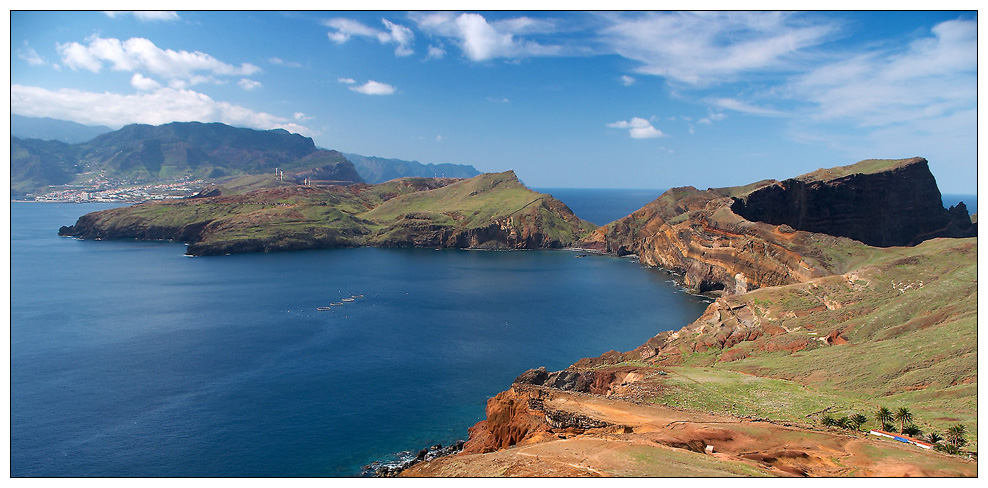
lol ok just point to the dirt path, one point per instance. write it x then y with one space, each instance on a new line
651 440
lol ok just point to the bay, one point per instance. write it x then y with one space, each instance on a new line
130 359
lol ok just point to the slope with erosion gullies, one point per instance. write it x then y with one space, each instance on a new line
774 233
489 211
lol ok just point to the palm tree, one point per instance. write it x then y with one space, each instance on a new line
858 420
903 415
884 418
912 430
844 423
828 420
955 435
933 437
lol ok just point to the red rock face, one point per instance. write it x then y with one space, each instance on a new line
509 422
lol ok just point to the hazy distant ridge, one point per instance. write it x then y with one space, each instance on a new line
378 170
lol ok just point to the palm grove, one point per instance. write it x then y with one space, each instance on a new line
950 441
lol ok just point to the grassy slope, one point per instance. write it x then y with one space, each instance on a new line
910 315
471 204
868 166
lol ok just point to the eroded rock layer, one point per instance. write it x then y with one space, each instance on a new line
774 233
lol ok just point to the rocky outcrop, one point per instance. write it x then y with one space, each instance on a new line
770 233
900 206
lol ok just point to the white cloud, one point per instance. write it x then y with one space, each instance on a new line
344 29
346 81
742 106
914 99
400 35
374 88
301 116
439 138
934 77
248 84
143 83
435 52
27 53
282 62
481 40
638 128
627 80
144 15
158 107
708 48
139 54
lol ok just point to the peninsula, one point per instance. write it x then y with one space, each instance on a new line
811 329
490 211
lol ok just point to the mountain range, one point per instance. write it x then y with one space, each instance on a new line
46 152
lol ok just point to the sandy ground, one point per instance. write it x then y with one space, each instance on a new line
649 440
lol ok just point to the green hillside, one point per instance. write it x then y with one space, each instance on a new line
490 211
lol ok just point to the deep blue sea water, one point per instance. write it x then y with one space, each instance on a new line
130 359
602 206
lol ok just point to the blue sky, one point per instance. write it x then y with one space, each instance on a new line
566 99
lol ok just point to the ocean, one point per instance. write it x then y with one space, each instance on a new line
131 359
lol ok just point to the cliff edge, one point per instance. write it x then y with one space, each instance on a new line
770 233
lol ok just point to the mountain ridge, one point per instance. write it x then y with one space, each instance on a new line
140 153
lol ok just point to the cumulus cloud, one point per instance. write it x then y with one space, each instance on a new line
627 80
139 54
435 52
638 128
481 40
707 48
344 29
248 84
374 88
143 83
160 106
144 15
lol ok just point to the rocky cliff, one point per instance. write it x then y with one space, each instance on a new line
774 233
899 205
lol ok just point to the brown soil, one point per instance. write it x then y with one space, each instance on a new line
651 440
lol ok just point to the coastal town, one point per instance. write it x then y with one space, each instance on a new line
119 191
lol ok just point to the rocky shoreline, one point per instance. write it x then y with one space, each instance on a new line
407 459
